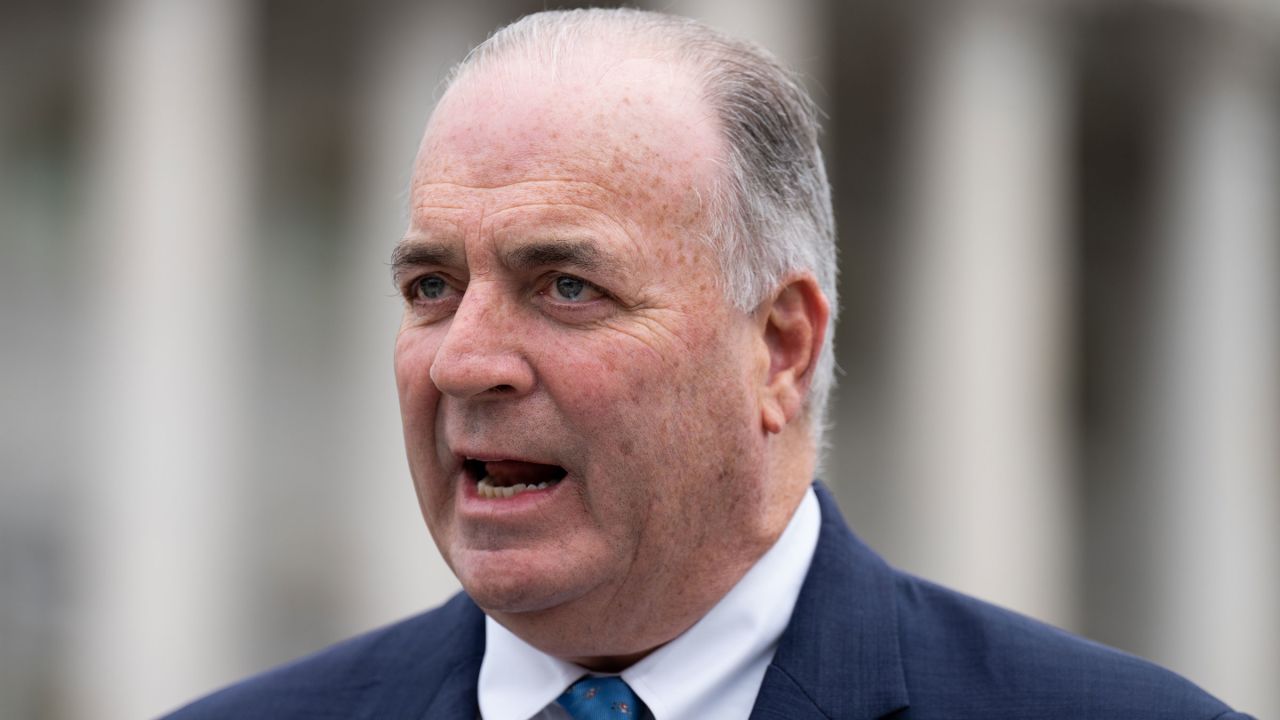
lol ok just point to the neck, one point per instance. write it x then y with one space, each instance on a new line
613 628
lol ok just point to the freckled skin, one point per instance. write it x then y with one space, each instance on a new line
650 398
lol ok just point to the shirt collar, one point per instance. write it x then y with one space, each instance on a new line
518 680
727 652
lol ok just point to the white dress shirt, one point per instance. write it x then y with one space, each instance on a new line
713 670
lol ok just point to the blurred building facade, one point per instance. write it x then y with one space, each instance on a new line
1060 341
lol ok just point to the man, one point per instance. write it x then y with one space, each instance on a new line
613 366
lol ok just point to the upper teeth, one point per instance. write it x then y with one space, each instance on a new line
489 490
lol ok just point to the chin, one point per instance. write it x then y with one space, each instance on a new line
506 597
499 582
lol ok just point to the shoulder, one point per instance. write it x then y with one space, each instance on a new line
346 679
968 658
867 640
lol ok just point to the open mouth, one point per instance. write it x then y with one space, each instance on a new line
508 478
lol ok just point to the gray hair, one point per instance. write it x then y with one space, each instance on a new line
770 213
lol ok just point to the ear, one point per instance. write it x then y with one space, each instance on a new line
793 326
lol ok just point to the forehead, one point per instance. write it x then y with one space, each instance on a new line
636 129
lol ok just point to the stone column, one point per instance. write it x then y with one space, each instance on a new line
162 288
1209 399
979 456
394 567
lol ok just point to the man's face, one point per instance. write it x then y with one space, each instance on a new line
564 326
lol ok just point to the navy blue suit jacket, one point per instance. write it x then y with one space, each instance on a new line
865 641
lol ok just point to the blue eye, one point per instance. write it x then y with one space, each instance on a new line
432 287
570 288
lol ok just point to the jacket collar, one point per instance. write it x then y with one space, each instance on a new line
428 670
839 657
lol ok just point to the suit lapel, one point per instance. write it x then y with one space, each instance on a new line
432 676
457 698
782 698
838 657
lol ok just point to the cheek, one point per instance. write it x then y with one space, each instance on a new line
415 350
643 407
604 381
419 400
414 353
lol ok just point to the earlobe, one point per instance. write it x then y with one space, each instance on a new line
793 327
772 418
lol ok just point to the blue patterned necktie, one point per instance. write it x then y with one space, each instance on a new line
601 698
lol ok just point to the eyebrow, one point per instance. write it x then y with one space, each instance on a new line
575 253
581 254
415 254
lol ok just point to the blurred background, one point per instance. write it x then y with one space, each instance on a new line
1060 342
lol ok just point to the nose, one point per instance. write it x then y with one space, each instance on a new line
481 355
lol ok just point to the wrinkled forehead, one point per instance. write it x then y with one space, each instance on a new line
632 124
